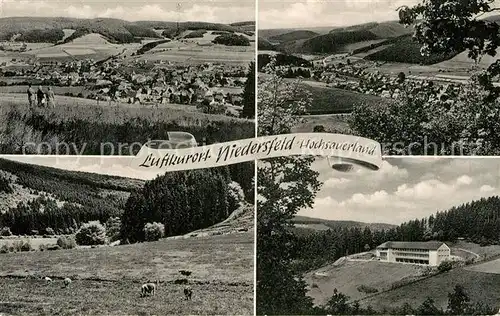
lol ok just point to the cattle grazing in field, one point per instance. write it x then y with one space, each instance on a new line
149 288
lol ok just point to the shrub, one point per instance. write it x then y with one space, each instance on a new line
113 226
4 248
5 185
91 233
66 242
154 231
49 231
42 247
53 247
21 245
236 195
5 231
445 266
367 289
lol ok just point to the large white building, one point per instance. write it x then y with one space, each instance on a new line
430 253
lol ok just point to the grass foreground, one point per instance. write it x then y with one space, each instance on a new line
107 280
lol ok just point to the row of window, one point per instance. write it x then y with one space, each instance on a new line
412 261
402 254
410 249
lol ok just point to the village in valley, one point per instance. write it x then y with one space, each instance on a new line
191 67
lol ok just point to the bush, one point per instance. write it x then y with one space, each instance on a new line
4 248
42 247
91 233
66 242
5 185
113 226
5 231
21 245
445 266
49 231
236 195
154 231
366 289
53 247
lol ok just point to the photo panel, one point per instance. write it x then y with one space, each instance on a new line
417 237
416 76
111 115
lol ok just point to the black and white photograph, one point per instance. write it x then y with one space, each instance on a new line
92 73
85 87
420 77
417 237
96 237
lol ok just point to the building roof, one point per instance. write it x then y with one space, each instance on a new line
429 245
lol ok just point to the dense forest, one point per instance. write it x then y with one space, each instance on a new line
63 200
182 201
477 221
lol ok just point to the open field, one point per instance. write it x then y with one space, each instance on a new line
481 287
328 100
331 122
237 55
34 241
348 276
492 266
107 280
87 126
87 109
483 252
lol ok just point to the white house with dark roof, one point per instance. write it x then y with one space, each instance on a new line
430 253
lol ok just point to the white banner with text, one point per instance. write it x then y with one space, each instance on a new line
347 148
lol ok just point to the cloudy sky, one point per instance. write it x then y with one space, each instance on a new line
314 13
223 11
403 189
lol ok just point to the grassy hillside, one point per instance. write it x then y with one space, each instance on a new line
85 189
481 287
333 101
264 44
348 276
80 121
107 280
293 36
335 41
333 223
406 50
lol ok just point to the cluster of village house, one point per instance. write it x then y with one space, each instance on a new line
357 79
142 81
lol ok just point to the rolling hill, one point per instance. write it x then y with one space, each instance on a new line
293 36
336 40
88 190
312 223
115 30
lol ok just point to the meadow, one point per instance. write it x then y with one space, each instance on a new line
82 121
347 277
328 100
481 287
107 280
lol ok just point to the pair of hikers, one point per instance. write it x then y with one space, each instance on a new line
41 97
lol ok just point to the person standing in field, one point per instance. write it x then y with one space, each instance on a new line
51 98
40 95
31 96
